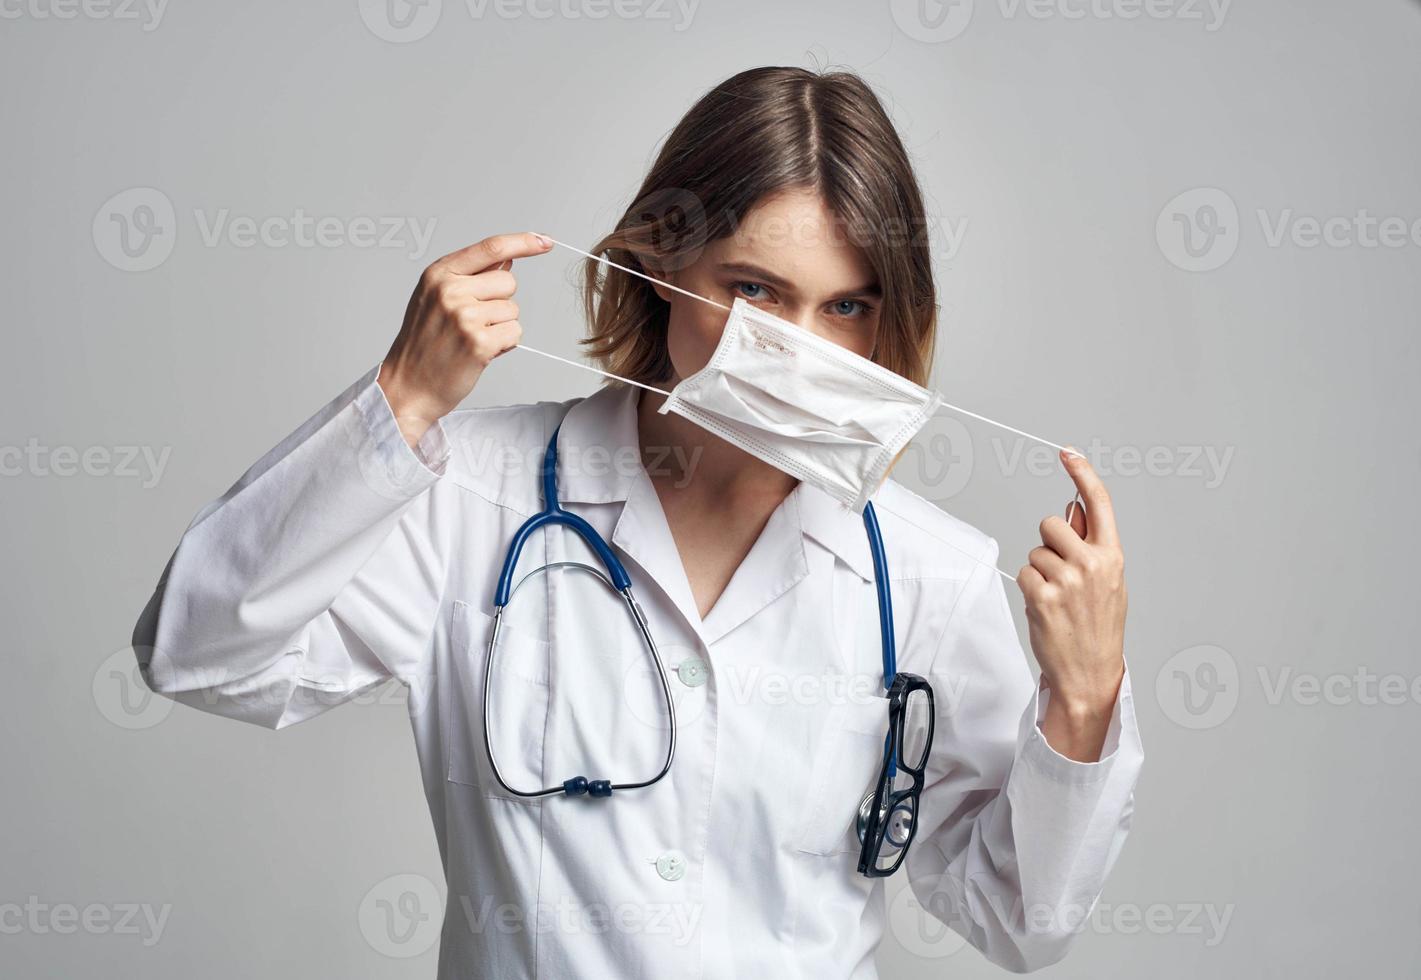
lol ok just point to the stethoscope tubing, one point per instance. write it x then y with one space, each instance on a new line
617 579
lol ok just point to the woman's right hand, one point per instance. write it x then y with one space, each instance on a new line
460 317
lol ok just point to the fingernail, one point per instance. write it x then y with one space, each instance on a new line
544 240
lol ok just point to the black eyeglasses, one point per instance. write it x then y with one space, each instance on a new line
888 817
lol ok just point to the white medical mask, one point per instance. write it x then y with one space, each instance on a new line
803 404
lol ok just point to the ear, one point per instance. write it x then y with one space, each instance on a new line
650 266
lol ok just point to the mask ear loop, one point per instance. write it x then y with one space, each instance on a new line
661 391
588 367
642 275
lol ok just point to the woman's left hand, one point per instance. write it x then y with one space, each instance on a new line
1075 609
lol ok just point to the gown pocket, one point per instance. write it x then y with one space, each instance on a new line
842 770
518 707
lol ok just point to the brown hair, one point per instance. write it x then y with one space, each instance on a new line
757 133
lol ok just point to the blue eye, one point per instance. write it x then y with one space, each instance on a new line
750 290
849 307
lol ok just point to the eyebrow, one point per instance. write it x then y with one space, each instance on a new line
752 271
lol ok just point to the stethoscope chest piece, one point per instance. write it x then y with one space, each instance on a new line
898 824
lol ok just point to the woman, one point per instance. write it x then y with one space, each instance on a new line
367 546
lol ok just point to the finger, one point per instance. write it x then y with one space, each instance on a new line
1100 514
1030 581
1048 563
491 284
1062 538
455 293
493 252
503 337
1075 515
482 315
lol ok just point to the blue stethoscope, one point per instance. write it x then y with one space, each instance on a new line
615 577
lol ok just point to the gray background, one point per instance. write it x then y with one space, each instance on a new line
1273 624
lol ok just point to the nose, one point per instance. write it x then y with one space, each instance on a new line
804 317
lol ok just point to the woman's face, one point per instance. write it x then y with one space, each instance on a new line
787 257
